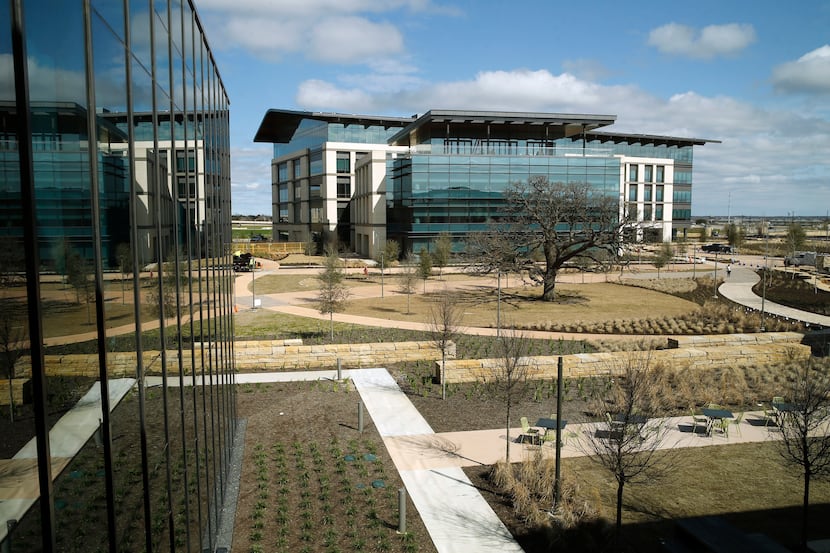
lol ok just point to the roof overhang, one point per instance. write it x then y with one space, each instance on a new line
568 124
279 125
654 139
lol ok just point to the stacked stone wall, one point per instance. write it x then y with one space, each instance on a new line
740 351
250 356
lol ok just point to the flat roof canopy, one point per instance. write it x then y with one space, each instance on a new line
279 125
567 124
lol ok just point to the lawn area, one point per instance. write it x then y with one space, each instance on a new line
585 303
745 483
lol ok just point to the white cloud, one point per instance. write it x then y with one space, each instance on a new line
353 39
810 73
772 161
710 42
335 31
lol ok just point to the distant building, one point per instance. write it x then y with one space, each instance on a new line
371 178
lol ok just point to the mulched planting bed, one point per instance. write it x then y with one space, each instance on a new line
311 481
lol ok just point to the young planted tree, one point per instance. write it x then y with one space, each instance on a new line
445 318
663 257
509 374
407 278
333 292
391 251
124 255
442 249
558 221
627 442
805 436
11 348
424 266
795 238
734 235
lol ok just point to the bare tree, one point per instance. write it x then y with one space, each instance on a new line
663 257
804 429
407 278
551 223
333 291
627 441
12 335
445 318
424 266
442 251
124 255
509 374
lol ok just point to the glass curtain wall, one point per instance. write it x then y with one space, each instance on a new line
117 402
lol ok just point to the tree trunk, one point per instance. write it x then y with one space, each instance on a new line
11 395
548 286
805 510
331 324
444 372
507 434
618 527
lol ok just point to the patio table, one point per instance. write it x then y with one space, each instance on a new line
550 424
715 415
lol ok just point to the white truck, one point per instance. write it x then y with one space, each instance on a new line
801 258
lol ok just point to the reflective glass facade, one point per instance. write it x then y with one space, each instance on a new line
116 368
433 193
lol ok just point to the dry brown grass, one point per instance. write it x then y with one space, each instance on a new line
583 304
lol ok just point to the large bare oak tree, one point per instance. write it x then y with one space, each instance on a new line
546 224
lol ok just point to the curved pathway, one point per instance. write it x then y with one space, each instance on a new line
737 287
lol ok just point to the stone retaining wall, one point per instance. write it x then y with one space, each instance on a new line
707 355
21 390
268 356
264 355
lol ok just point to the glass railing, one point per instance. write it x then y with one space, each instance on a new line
503 150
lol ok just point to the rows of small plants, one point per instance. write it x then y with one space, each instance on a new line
331 498
712 318
789 289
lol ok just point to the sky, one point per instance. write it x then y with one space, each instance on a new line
753 74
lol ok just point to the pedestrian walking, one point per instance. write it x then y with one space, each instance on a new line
728 270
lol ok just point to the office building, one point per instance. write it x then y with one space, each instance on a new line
370 178
116 342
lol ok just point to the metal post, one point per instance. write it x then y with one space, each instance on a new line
7 543
401 510
498 306
716 277
253 283
381 274
339 370
360 417
694 262
557 468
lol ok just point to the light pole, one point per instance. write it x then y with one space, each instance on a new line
253 280
498 306
716 277
764 284
381 274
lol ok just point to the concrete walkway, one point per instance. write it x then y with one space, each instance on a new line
737 287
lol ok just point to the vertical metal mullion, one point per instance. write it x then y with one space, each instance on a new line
160 260
32 264
177 241
204 303
134 236
100 314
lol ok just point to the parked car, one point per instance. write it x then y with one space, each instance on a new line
259 238
717 248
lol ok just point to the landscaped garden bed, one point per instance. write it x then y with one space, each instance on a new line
311 481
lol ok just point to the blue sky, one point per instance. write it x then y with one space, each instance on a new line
754 74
